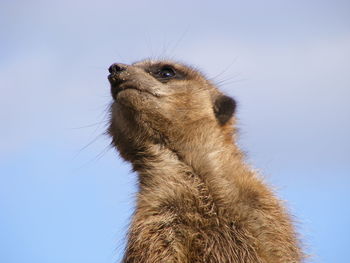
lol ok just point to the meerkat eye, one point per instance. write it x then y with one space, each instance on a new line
167 72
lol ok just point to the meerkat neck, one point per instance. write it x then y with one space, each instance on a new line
210 164
212 153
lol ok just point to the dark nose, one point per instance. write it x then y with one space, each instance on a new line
116 68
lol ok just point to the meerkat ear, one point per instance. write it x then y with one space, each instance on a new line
224 108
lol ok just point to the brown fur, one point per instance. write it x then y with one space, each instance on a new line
198 201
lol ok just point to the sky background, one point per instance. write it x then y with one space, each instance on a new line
65 196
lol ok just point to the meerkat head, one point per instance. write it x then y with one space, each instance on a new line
157 100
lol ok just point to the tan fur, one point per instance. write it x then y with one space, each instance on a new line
198 201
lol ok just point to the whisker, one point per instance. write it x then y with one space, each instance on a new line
177 43
97 157
228 82
89 125
87 145
224 70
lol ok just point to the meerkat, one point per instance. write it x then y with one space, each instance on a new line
197 200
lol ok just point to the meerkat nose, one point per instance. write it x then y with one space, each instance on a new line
116 68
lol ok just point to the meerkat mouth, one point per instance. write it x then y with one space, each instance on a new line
116 89
118 86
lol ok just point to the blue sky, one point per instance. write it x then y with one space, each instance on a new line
66 197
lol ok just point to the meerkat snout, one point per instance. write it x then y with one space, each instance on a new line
116 68
116 79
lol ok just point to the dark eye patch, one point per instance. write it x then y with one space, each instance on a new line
164 73
167 72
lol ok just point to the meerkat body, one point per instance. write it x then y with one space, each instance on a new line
197 201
